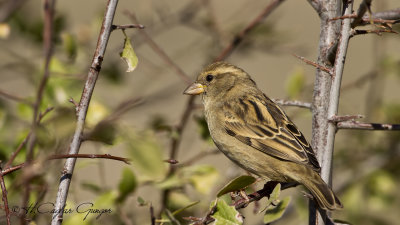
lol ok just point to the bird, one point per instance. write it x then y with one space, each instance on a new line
255 133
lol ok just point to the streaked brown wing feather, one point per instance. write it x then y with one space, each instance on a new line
261 124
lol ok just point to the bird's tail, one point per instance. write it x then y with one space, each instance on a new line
322 193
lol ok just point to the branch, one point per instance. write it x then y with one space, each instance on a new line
316 65
336 119
377 32
23 143
241 35
4 191
296 103
333 105
14 98
329 31
93 73
90 156
127 26
85 156
388 15
8 8
20 146
367 126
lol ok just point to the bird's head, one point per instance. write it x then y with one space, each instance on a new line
219 79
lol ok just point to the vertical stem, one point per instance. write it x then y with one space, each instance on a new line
328 36
326 172
82 108
48 36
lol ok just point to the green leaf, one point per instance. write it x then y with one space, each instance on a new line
273 198
129 55
237 184
226 215
295 83
127 184
275 194
141 201
275 213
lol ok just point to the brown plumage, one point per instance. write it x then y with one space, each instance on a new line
255 133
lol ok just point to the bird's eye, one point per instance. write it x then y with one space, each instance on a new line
209 77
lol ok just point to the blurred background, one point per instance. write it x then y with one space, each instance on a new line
138 115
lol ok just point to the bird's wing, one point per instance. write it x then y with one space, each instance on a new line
261 124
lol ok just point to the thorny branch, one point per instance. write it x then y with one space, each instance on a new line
127 26
300 104
67 156
367 126
93 73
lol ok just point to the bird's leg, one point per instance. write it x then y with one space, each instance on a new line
244 195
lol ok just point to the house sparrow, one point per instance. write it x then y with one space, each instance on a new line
255 133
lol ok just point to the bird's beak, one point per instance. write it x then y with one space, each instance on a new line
194 89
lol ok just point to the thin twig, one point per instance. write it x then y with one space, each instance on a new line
90 156
393 14
23 143
377 32
15 153
242 34
12 169
128 26
336 119
14 98
8 8
48 37
296 103
5 201
171 161
93 73
156 48
367 126
66 156
316 65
